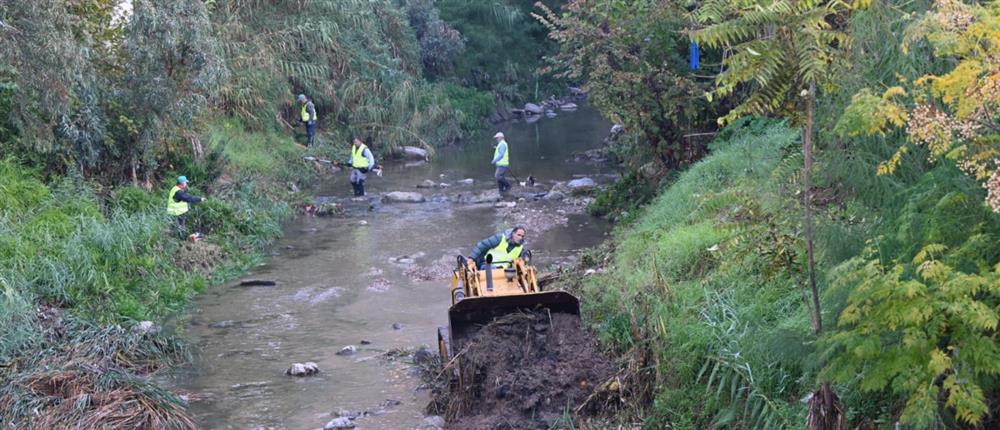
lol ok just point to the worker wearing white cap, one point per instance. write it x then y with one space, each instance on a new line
501 159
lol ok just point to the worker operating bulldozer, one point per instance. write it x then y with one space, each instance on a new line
495 280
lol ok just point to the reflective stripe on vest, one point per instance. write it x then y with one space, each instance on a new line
173 207
358 159
305 113
500 254
505 160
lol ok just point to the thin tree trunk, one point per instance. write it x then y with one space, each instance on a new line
807 150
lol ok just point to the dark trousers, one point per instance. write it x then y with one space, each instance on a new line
181 227
501 178
310 133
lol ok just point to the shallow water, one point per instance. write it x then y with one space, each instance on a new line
338 283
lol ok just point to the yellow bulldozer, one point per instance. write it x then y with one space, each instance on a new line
478 296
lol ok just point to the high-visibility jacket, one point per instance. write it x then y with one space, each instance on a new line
505 159
176 208
305 112
500 254
358 159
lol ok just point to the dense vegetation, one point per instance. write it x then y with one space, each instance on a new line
818 246
104 102
707 293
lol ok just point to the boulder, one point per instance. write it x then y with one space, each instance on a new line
568 106
339 423
427 183
560 187
434 421
554 195
423 355
483 197
581 185
348 350
404 197
302 369
467 181
414 152
533 109
397 326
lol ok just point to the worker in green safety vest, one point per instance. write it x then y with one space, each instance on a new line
307 114
501 159
178 204
503 247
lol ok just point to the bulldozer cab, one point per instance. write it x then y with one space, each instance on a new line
478 296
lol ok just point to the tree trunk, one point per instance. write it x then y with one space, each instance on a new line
807 152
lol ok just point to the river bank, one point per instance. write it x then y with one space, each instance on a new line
375 277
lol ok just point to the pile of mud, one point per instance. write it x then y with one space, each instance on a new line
527 371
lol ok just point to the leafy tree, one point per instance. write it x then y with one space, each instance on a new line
172 69
504 47
954 115
58 91
358 60
631 57
780 51
439 42
922 329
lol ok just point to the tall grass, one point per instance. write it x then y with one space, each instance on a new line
81 265
718 329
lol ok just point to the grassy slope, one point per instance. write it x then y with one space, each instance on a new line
78 262
700 297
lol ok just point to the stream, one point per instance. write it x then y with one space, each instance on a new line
379 274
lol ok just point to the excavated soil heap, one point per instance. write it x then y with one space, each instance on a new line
526 371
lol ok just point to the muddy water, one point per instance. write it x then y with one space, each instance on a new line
340 281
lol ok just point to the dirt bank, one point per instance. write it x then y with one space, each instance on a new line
527 371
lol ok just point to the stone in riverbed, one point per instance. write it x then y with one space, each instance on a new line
532 108
414 152
397 326
404 197
427 183
554 195
581 185
434 421
303 369
467 181
423 355
348 350
339 423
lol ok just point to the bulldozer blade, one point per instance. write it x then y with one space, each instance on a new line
466 316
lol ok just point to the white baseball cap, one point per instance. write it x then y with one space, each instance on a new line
499 134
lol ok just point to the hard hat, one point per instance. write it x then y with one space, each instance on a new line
182 179
301 98
499 134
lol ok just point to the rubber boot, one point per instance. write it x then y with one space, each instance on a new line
354 187
361 188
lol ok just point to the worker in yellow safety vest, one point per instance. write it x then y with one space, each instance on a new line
307 114
178 204
362 161
503 247
501 159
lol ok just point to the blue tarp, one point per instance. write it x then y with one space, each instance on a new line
695 56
